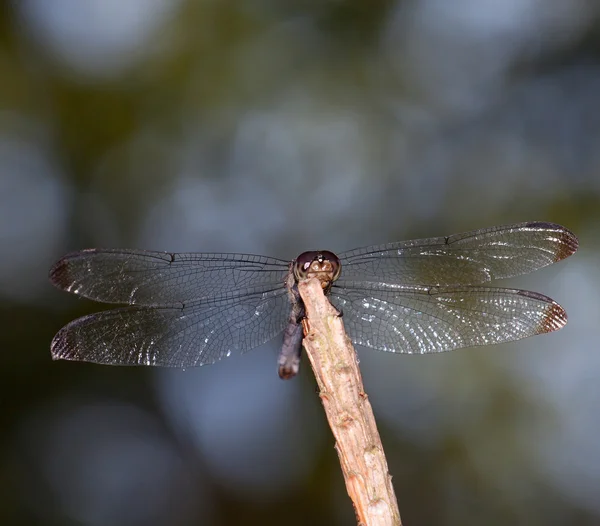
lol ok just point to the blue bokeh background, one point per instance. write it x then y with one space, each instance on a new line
273 128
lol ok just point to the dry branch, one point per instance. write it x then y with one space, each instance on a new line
348 410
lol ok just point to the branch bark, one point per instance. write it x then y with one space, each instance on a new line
348 410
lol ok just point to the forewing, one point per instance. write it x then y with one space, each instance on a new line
137 277
461 259
418 320
196 334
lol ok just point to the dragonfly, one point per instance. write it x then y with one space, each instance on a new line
417 297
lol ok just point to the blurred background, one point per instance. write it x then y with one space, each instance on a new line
274 127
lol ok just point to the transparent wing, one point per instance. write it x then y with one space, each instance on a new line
412 319
197 334
138 277
461 259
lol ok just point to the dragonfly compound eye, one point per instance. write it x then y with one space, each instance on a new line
317 263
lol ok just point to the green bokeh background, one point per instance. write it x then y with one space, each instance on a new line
309 124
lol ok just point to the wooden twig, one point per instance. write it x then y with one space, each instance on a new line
348 410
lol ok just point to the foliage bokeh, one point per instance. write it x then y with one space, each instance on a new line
273 128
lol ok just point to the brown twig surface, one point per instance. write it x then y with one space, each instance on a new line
348 410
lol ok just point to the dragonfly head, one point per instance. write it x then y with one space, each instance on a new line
320 264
